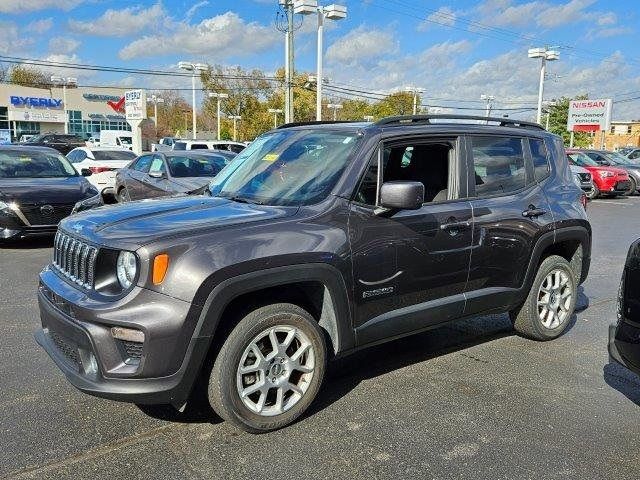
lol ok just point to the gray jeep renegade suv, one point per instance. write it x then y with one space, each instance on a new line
316 241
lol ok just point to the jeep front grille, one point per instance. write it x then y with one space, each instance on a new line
74 259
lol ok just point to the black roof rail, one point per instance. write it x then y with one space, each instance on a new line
426 120
315 122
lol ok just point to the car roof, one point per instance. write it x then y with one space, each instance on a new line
34 148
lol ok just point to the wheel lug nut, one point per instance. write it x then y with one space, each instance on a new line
273 379
282 360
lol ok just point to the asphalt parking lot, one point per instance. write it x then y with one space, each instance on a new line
470 400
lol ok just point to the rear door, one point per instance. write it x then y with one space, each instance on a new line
510 212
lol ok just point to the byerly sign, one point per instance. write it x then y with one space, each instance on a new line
35 102
135 104
589 115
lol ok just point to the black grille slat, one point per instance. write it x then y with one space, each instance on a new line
35 215
133 349
75 259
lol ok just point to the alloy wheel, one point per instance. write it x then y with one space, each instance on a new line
275 370
554 299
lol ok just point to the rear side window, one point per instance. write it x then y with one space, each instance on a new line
199 146
179 146
540 157
498 164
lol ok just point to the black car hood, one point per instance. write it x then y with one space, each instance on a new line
67 190
142 222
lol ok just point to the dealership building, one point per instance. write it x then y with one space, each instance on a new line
30 111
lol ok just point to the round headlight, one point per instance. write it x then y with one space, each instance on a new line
126 268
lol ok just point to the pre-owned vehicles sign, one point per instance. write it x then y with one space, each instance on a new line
589 115
135 104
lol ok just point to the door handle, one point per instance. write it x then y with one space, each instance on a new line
452 225
533 212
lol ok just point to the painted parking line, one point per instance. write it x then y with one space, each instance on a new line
609 202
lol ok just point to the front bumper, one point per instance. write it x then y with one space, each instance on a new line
624 345
76 333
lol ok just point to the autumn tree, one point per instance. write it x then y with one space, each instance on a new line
558 116
29 77
171 114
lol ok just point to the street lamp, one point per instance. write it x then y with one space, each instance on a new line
275 112
218 96
335 107
546 55
155 100
64 82
332 12
489 100
194 68
416 92
235 118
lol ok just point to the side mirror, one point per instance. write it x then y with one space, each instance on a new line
402 195
156 174
85 172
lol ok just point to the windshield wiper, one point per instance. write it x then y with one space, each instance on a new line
241 199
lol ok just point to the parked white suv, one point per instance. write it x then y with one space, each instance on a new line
235 147
103 162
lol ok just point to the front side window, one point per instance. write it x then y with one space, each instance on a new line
26 164
143 163
540 157
287 167
157 166
498 165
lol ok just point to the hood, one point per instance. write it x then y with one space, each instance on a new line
578 169
67 190
142 222
187 184
603 168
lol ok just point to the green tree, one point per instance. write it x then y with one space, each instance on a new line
558 116
29 77
399 103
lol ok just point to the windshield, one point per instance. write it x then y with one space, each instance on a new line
583 160
30 164
621 159
37 138
181 166
125 140
287 167
113 155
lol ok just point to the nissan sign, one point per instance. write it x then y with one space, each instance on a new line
35 102
589 115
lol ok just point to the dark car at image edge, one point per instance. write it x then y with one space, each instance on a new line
38 188
61 142
316 241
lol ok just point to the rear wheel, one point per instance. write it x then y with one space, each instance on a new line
123 195
269 369
547 311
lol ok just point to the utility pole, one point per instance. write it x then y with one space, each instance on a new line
235 119
285 23
416 91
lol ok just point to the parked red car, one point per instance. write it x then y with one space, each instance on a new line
607 181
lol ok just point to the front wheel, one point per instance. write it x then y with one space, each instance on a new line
633 187
269 369
547 311
594 193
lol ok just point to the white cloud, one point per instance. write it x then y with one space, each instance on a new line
39 26
194 8
10 40
444 16
219 37
121 23
21 6
361 45
554 16
63 45
539 12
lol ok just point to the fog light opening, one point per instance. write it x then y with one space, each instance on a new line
127 334
89 362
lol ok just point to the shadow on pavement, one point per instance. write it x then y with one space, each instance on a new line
623 380
582 302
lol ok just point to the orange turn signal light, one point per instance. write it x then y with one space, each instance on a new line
160 266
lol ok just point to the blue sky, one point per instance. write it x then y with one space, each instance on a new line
455 50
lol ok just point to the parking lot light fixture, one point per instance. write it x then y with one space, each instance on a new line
194 68
276 112
335 107
546 54
331 12
218 96
64 82
235 119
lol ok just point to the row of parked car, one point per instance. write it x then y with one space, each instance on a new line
602 173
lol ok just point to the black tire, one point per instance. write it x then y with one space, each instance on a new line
123 195
633 188
223 387
526 319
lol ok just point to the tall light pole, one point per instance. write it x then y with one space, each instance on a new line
285 23
547 55
155 100
218 96
489 104
335 107
194 68
416 91
275 112
235 118
64 82
332 12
